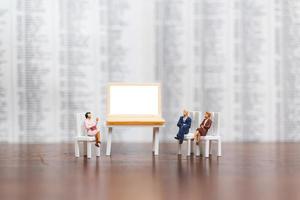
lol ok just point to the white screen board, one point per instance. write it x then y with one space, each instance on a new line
135 99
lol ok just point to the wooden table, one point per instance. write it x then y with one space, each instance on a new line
153 122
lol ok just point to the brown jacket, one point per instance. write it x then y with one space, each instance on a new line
203 131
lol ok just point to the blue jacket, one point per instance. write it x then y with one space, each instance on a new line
185 126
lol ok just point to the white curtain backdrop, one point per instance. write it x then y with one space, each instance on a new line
237 57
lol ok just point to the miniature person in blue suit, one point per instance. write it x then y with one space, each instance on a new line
184 124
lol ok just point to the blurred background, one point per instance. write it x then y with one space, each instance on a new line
238 57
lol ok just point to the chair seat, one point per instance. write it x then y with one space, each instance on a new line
207 137
189 136
85 138
210 137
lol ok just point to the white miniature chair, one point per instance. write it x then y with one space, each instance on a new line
83 137
213 135
195 116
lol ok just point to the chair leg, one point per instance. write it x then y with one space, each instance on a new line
189 147
89 149
77 149
179 149
206 151
108 145
192 147
219 148
85 148
153 140
98 151
202 147
210 147
198 150
156 130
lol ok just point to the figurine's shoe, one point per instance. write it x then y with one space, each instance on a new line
176 138
97 145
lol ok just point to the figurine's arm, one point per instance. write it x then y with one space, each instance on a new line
189 122
207 124
179 123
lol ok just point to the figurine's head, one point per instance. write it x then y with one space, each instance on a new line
185 113
207 115
88 115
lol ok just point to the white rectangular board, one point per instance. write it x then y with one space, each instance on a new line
134 100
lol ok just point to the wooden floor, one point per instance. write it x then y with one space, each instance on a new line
246 171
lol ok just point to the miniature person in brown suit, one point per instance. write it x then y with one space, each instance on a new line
204 126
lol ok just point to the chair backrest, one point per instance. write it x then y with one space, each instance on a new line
196 120
80 130
215 126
